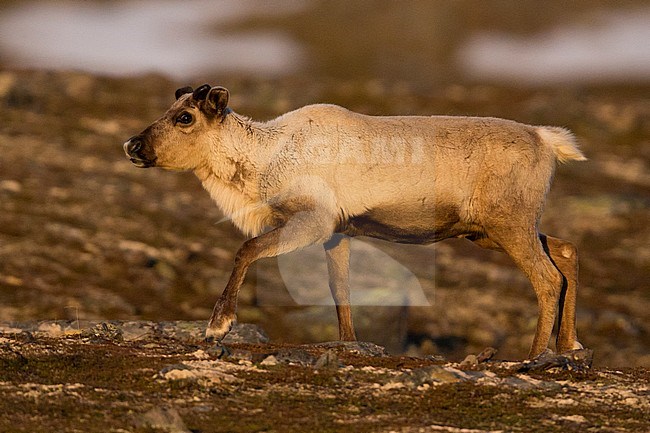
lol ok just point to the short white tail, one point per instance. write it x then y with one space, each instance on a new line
562 141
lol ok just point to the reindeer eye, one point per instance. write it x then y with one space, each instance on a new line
185 118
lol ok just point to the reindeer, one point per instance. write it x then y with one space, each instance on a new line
322 174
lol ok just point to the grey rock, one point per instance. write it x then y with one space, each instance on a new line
469 361
486 354
193 331
169 368
577 360
246 333
104 331
472 361
328 360
295 356
435 374
362 348
218 351
136 330
164 418
269 361
234 354
182 331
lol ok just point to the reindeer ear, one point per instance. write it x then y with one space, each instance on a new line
201 92
182 91
217 100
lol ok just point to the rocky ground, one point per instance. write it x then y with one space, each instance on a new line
161 377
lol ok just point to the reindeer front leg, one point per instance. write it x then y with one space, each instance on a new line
301 230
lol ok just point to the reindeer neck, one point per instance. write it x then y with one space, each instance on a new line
238 157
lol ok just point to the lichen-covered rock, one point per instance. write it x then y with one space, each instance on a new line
182 331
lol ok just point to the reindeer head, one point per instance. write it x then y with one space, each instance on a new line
178 140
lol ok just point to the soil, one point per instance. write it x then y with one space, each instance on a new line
153 377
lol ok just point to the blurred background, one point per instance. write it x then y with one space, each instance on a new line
84 235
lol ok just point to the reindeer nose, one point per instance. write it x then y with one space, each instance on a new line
133 145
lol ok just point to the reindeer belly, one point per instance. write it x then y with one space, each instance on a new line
414 224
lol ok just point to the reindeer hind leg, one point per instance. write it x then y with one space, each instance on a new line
525 248
565 257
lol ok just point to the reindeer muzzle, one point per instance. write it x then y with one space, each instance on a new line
135 151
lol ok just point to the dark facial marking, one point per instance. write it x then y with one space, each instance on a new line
139 152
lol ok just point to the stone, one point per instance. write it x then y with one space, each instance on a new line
164 418
177 372
435 374
328 360
295 356
218 351
104 331
269 361
469 361
363 348
136 330
51 329
577 360
246 333
486 354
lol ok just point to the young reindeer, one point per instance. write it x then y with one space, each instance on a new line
323 174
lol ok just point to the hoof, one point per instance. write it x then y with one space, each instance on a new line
577 360
577 346
574 346
218 351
